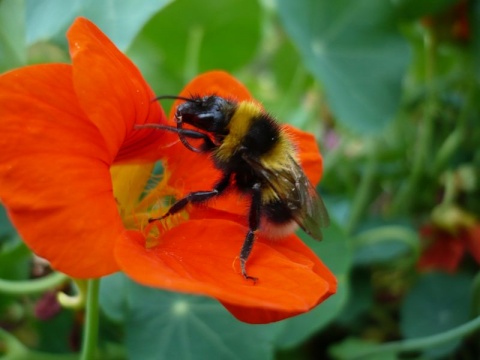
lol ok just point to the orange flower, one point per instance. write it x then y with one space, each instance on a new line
199 254
69 136
63 126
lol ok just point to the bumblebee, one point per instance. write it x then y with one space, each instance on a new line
256 157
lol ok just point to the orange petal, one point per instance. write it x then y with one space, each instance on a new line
202 257
54 172
114 95
218 83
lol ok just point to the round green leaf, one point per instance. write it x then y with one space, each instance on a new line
115 307
336 253
165 325
195 36
354 50
438 302
120 20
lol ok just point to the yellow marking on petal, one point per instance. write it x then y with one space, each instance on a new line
129 182
152 200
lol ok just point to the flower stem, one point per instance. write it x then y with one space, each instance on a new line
420 343
194 45
32 286
403 201
362 197
90 333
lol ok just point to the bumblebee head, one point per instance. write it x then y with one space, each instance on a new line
210 113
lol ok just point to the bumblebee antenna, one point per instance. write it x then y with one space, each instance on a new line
173 97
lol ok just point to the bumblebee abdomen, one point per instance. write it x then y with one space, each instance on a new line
277 212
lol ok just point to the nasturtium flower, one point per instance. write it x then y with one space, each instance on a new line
75 177
451 233
63 127
445 249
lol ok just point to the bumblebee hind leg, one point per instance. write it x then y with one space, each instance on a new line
254 223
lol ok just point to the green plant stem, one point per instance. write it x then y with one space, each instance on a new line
90 333
389 233
455 139
421 343
476 295
32 286
450 189
363 194
193 46
407 194
15 350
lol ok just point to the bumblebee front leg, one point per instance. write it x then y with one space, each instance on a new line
196 197
253 223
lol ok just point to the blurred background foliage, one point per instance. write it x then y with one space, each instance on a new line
390 89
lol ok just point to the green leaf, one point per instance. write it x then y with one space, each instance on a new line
121 20
336 253
475 37
15 258
413 9
360 301
438 302
56 333
195 36
12 34
6 228
47 19
114 307
354 50
165 325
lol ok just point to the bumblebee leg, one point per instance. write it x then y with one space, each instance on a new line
196 197
253 223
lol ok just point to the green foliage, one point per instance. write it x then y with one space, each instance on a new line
161 324
121 20
190 37
390 89
337 256
355 51
428 309
12 35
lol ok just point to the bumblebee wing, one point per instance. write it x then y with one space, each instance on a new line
292 187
